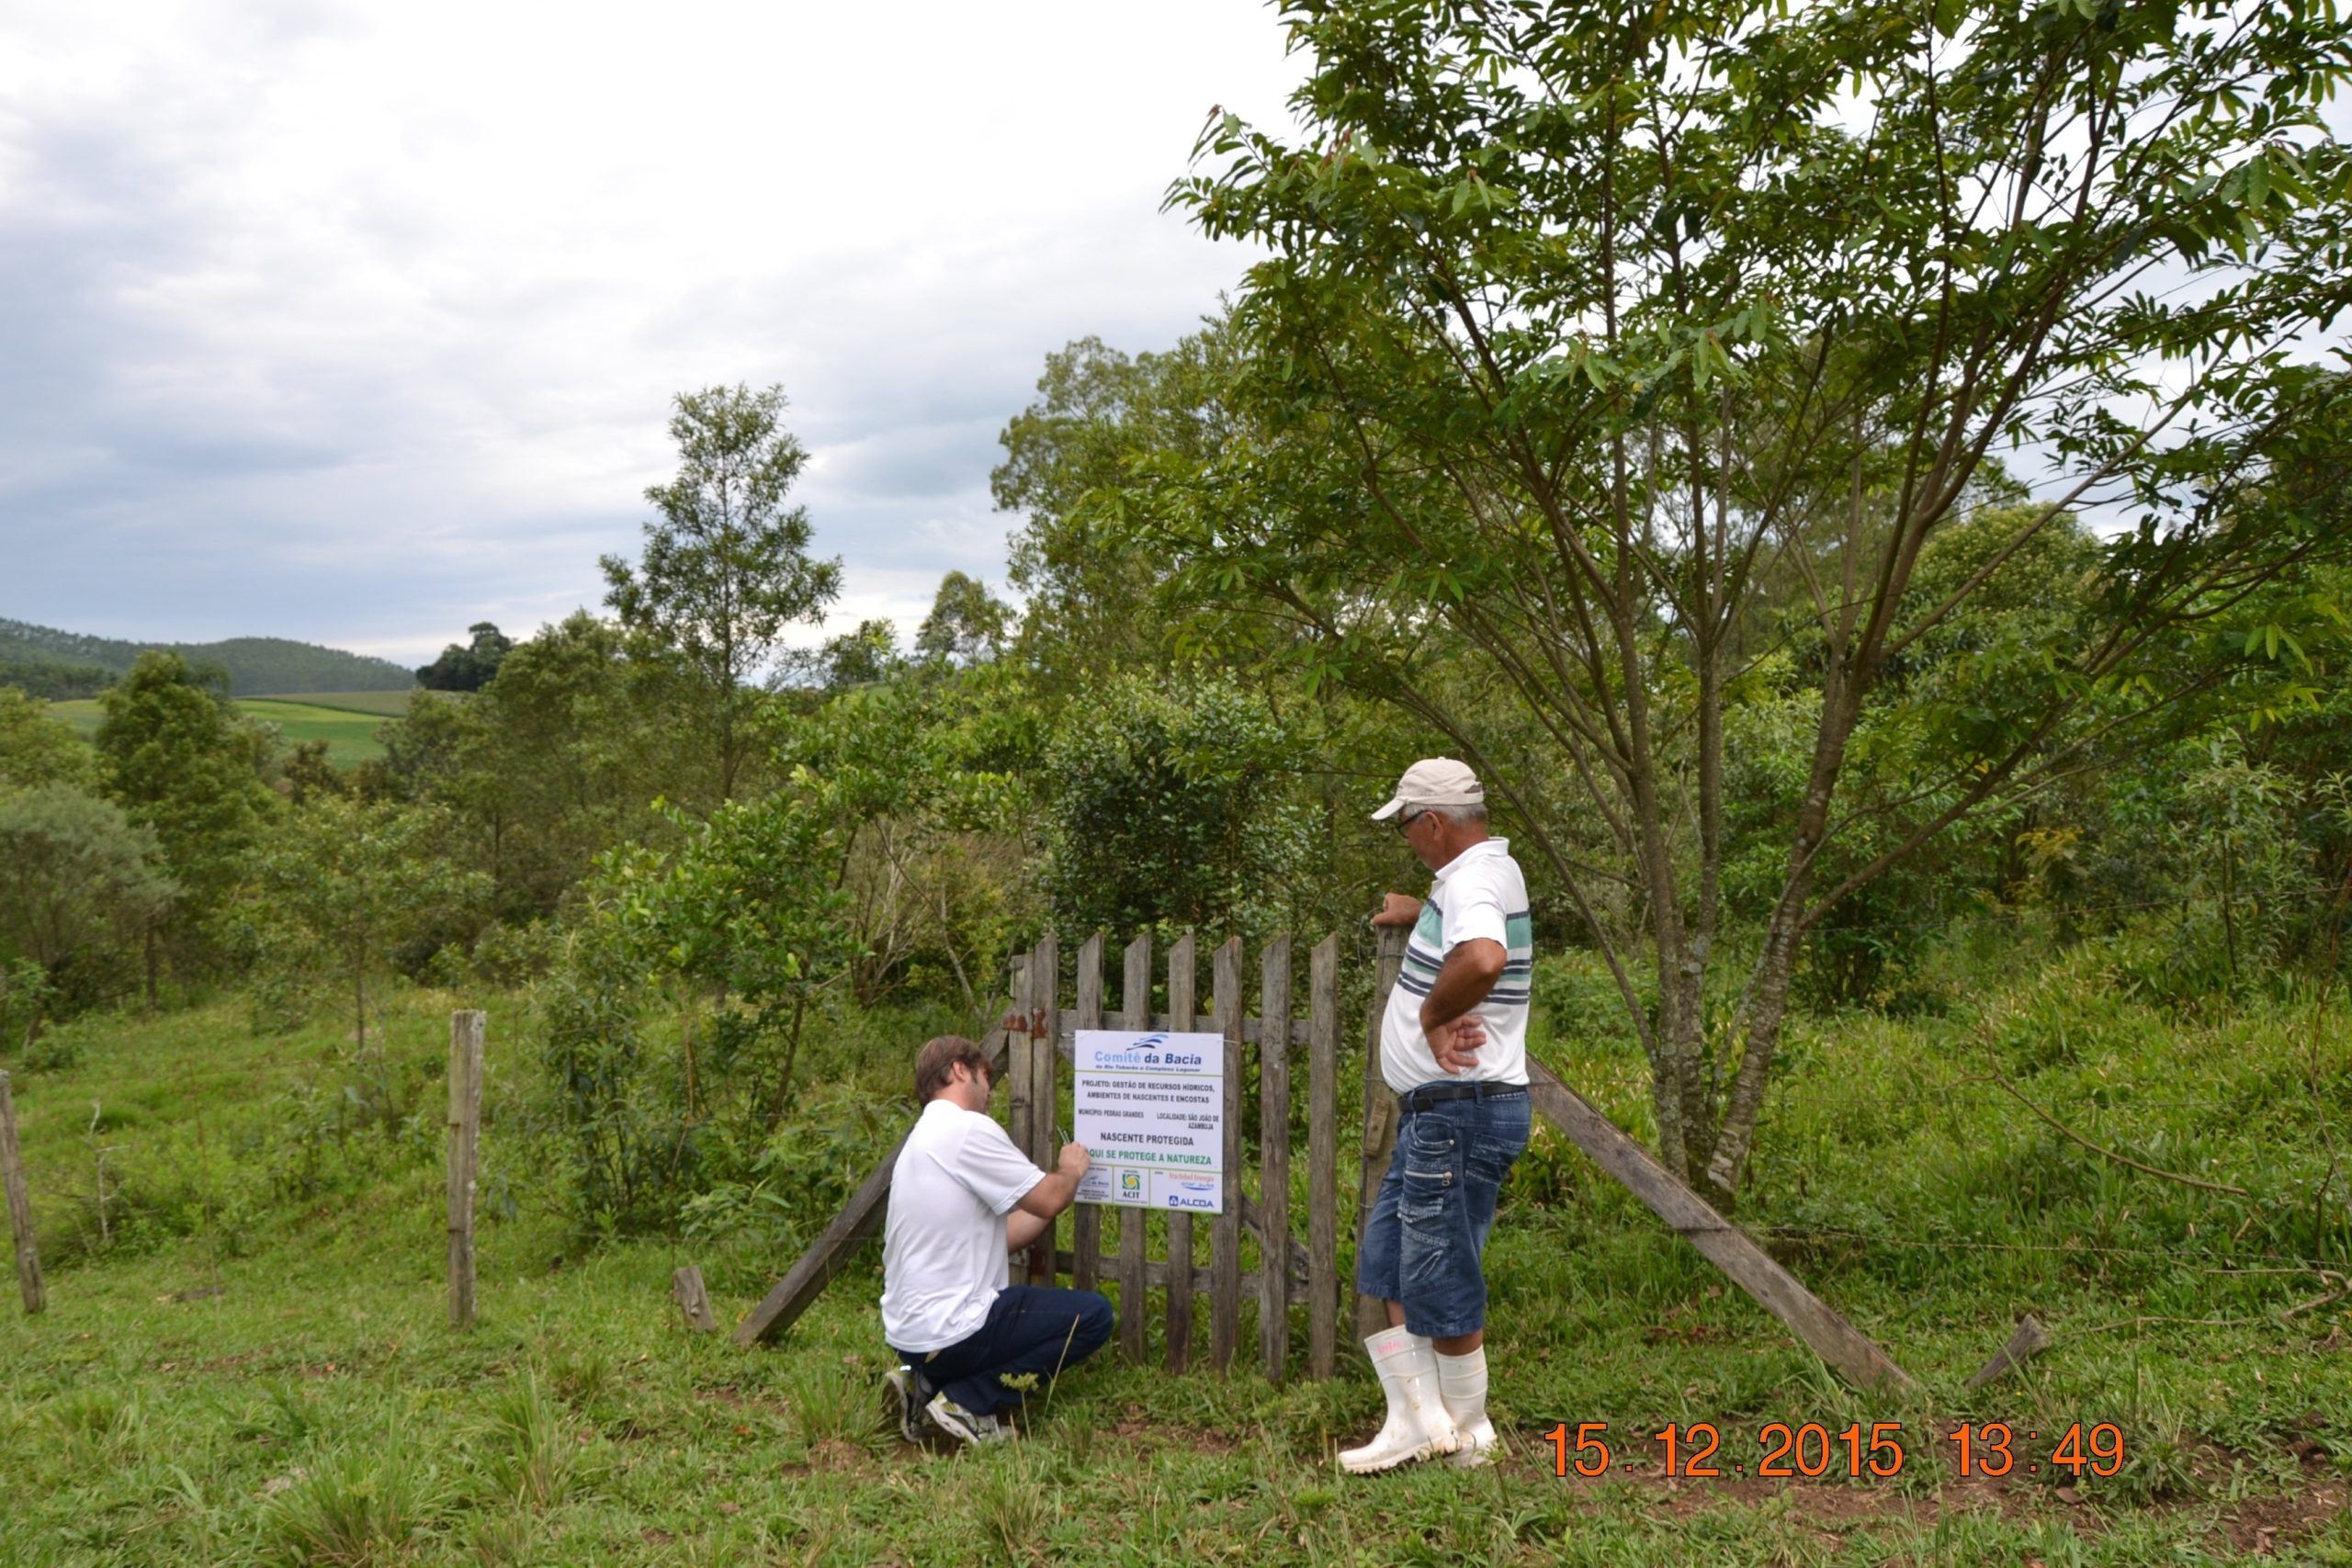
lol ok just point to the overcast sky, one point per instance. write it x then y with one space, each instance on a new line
359 323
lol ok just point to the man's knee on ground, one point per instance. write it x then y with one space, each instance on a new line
1095 1321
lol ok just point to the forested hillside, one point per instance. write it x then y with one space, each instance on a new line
55 664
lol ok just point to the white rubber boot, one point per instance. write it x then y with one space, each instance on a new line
1417 1426
1462 1384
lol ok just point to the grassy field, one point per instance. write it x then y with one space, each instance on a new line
346 721
251 1362
384 704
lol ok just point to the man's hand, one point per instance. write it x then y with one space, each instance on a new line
1074 1161
1456 1046
1396 909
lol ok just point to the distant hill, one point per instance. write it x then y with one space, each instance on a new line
52 663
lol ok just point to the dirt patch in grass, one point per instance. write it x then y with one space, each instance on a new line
1138 1425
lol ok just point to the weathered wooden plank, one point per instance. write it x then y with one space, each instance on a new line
1184 977
1135 1001
20 1205
1086 1219
1323 1157
686 1290
1273 1160
858 1220
1379 1114
1018 1057
2029 1340
1045 1104
466 1031
1727 1247
1225 1231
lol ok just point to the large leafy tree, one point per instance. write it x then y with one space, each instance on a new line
80 885
37 749
1605 348
470 665
1090 588
725 567
344 883
183 764
554 761
966 624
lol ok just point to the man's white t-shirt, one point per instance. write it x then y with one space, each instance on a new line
1478 893
943 1247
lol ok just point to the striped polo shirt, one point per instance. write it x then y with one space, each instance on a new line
1478 893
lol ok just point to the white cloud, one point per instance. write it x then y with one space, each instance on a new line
358 323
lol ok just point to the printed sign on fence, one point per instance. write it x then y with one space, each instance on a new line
1150 1111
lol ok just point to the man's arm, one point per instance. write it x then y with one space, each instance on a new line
1468 973
1052 1195
1021 1229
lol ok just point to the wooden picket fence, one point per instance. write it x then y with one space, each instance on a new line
1153 1250
1040 1035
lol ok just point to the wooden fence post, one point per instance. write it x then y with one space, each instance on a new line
1379 1114
1045 1103
465 1149
1225 1236
1019 1060
20 1204
1135 1013
1183 976
1086 1225
687 1288
1323 1158
1273 1157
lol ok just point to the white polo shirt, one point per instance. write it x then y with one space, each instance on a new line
1478 893
942 1245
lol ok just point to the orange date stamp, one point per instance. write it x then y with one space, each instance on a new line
1780 1450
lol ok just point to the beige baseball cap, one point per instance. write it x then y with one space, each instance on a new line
1434 781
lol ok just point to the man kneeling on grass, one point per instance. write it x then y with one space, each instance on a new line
962 1198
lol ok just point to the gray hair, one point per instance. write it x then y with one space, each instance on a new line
1461 816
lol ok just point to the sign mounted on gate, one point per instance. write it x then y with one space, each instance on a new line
1150 1109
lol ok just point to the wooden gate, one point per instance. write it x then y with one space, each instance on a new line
1153 1251
1254 1257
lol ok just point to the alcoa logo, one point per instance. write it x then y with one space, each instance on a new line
1193 1195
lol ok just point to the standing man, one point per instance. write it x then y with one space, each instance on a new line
1454 1050
962 1198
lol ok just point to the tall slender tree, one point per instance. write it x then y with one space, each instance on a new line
725 567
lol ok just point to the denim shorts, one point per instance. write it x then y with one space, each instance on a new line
1429 1221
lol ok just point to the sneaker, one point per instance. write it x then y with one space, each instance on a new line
904 1401
965 1426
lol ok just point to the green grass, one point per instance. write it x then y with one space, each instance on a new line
346 721
318 1408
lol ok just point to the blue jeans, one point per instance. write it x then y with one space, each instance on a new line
1029 1330
1428 1224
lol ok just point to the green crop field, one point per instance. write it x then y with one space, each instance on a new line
346 721
350 736
246 1356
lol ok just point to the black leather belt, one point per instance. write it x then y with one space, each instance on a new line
1438 1094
